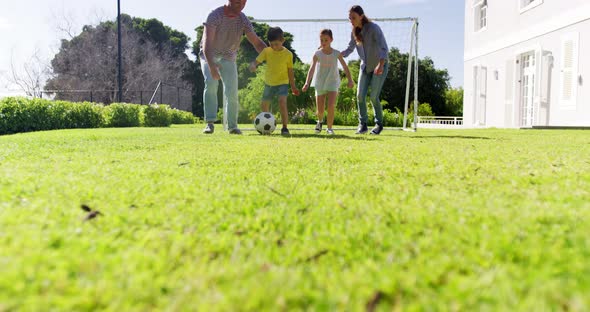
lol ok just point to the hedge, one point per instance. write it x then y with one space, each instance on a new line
18 114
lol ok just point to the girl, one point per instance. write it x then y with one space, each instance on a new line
327 78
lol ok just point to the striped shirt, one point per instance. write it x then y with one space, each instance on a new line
228 33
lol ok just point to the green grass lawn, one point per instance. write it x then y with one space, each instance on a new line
437 220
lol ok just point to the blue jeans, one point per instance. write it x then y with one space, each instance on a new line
229 77
365 81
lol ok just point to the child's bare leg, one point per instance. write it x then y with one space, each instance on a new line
284 112
332 97
265 106
320 102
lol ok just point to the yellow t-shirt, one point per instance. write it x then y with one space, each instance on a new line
277 64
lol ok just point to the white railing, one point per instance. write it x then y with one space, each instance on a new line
440 120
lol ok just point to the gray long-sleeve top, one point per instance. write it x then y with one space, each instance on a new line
372 49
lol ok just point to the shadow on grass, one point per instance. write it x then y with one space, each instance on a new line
326 137
448 137
466 137
368 137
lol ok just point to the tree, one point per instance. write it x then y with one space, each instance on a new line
152 52
162 35
432 83
30 77
454 101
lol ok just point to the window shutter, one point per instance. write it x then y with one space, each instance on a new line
509 95
483 94
547 61
569 71
484 81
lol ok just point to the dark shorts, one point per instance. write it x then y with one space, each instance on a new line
271 91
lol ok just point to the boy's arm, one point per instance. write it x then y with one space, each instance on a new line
253 65
346 71
292 81
256 62
310 73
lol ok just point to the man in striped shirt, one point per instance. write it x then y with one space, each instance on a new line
223 32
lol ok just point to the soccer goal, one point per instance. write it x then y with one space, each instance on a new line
400 33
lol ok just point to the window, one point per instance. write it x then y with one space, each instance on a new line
525 5
480 12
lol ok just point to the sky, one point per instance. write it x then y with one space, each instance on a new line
27 26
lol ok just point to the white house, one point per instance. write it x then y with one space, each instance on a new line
527 63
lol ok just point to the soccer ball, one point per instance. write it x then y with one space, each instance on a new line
265 123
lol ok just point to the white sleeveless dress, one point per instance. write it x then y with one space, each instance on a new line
327 76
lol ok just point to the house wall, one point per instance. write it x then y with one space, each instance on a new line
497 48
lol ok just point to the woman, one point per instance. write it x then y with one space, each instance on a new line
371 46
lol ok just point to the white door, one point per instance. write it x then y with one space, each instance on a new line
527 102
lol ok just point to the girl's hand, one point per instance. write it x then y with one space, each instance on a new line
305 87
350 84
295 91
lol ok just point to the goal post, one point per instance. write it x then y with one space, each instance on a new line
400 33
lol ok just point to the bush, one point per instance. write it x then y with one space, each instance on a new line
393 119
123 115
19 114
10 115
424 109
23 115
304 116
180 117
36 116
157 116
346 118
85 115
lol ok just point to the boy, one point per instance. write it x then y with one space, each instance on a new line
279 74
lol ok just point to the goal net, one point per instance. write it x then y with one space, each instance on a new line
400 34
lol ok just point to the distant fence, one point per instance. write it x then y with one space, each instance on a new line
177 97
440 120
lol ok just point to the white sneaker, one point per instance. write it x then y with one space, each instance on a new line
330 132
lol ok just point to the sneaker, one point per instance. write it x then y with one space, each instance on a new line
209 129
285 131
362 129
318 127
235 131
330 131
377 129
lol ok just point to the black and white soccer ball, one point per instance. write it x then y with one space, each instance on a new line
265 123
